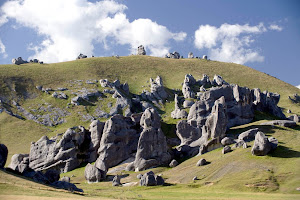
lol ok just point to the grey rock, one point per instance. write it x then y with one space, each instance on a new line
105 83
173 163
284 123
39 87
96 129
178 113
195 178
19 162
119 135
226 149
18 61
248 135
141 50
245 146
261 146
288 111
159 180
65 179
227 141
174 55
61 153
150 179
204 57
152 146
130 167
187 132
3 155
190 55
157 88
294 118
218 80
139 176
239 144
201 162
92 174
188 103
116 181
81 56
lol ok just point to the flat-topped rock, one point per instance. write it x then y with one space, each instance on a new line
284 123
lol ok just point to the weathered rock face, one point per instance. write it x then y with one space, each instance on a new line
92 174
227 141
152 145
174 55
19 162
188 132
3 155
141 50
116 181
261 145
294 118
119 135
189 81
96 129
157 93
63 154
219 81
178 113
284 123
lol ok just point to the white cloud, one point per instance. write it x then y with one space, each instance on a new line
74 26
229 43
2 49
275 27
298 86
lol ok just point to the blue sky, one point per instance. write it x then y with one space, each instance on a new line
264 35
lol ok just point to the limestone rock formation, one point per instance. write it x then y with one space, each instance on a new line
81 56
189 81
116 181
294 118
150 179
62 153
173 163
3 155
284 123
96 130
19 162
141 50
92 174
201 162
227 141
152 145
174 55
248 135
18 61
178 113
226 149
157 93
190 55
261 145
119 135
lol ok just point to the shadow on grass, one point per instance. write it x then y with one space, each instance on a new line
284 152
267 129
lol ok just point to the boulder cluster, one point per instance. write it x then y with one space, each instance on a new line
141 50
216 107
19 61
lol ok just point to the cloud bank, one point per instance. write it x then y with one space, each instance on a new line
231 43
2 50
74 26
298 86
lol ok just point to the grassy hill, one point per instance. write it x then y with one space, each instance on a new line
237 175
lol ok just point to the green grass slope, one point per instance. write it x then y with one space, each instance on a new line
237 175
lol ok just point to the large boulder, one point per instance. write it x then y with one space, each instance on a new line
141 50
150 179
92 173
18 61
284 123
248 135
62 153
3 155
152 147
119 135
187 132
116 181
19 162
262 146
190 55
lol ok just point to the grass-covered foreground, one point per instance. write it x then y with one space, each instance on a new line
236 175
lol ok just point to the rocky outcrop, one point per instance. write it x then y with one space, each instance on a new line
189 81
84 95
190 55
119 135
3 155
201 162
157 93
226 149
173 163
174 55
81 56
141 50
116 181
18 61
227 141
262 145
284 123
178 113
150 179
62 153
152 147
294 118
